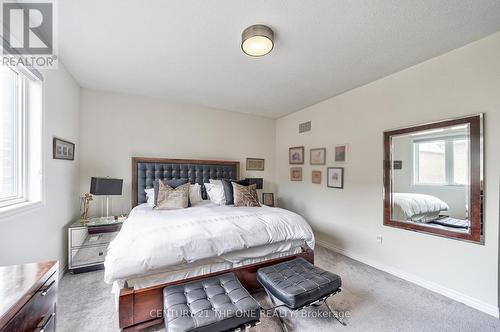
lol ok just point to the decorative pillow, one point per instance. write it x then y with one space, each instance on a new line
228 189
174 183
245 195
215 193
150 196
195 194
170 198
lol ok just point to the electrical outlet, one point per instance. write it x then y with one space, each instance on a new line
379 239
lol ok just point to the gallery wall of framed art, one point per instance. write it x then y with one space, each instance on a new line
318 157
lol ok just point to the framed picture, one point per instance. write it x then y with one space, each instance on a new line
255 164
296 155
316 177
62 149
296 174
341 153
317 156
397 164
268 199
335 177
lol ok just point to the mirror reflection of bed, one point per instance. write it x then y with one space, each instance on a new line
430 178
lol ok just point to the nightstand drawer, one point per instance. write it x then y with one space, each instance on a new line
88 242
88 255
81 237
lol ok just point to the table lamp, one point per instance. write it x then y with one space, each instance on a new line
106 187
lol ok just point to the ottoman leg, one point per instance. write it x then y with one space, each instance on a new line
334 315
276 312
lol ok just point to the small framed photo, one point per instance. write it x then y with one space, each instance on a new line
317 156
296 155
268 199
296 174
335 177
62 149
316 177
255 164
341 153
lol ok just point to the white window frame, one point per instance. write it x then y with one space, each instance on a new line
30 195
449 158
20 166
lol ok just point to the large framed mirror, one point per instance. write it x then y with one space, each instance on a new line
433 178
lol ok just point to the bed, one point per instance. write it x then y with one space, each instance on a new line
155 249
419 208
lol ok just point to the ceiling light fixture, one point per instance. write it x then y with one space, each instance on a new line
257 40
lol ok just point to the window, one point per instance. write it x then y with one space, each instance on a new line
442 161
20 137
11 179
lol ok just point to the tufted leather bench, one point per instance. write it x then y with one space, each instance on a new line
214 304
297 283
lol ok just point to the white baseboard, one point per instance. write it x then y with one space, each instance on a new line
63 271
457 296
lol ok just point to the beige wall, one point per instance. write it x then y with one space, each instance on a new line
463 82
40 234
111 128
116 127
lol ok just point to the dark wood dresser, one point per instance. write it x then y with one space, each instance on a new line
28 295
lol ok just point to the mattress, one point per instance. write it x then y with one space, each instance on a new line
185 271
155 246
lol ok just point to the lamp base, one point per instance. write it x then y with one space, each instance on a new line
108 218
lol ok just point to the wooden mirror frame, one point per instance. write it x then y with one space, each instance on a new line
476 181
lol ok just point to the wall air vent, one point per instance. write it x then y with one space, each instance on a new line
305 126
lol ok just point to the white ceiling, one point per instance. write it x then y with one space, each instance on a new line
189 51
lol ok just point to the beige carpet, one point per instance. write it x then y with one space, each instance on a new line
372 299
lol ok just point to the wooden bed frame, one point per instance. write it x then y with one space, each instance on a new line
142 308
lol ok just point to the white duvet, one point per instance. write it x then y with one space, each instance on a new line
152 240
410 205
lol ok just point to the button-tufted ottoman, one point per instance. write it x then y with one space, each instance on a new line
298 284
214 304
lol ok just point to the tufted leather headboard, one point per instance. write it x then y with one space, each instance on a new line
146 170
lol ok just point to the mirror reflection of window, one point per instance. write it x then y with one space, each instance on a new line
433 189
460 161
430 162
441 161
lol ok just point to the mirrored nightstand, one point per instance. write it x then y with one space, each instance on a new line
88 243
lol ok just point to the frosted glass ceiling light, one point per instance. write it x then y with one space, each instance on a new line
257 40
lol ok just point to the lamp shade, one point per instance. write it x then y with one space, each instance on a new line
259 182
106 186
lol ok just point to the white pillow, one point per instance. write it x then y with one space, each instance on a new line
216 193
195 194
150 196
